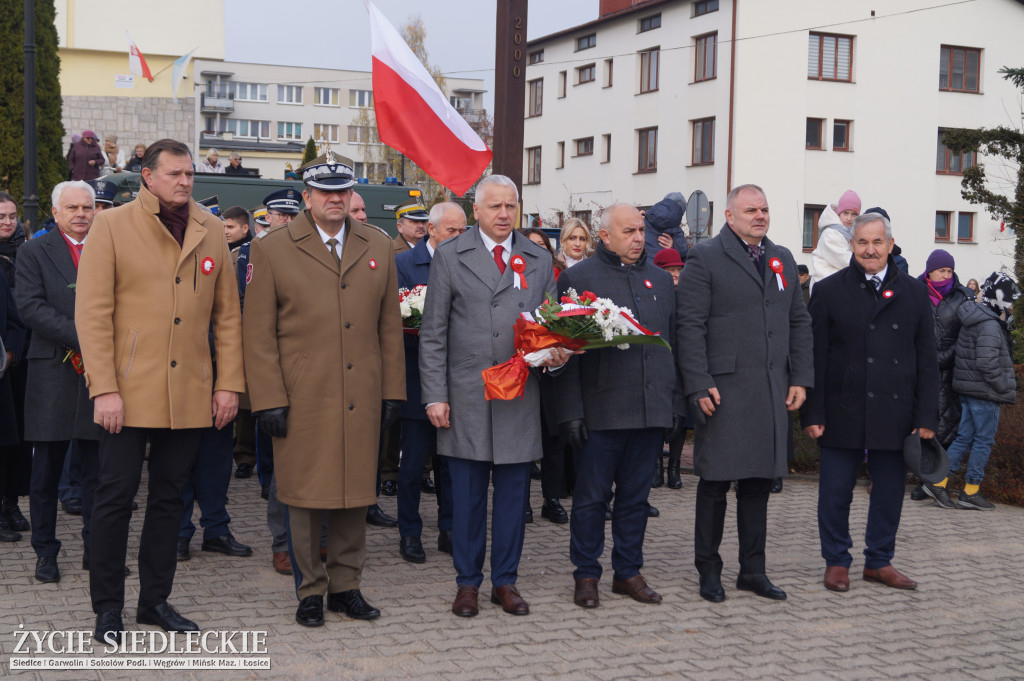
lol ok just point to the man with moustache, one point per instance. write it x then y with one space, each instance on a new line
412 220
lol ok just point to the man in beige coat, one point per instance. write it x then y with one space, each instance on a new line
154 278
323 343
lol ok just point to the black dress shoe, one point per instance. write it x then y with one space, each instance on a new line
311 611
227 545
166 617
412 549
7 534
776 486
918 494
389 488
183 550
135 505
244 470
353 604
108 627
553 511
652 512
13 515
444 541
427 486
377 517
528 516
711 588
47 571
72 506
760 585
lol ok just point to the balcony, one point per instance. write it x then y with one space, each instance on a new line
473 116
217 100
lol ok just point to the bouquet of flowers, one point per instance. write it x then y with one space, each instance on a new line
410 302
579 321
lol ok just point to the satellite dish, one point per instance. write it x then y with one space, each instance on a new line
698 214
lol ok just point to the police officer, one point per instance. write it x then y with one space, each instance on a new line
282 207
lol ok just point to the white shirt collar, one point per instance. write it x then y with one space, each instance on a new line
490 243
71 238
430 249
880 275
324 236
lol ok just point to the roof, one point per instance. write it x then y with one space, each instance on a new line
607 18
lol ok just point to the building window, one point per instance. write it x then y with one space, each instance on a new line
585 146
249 92
536 57
829 56
706 57
703 142
648 156
361 99
585 215
959 69
533 165
460 103
948 163
650 23
326 96
650 61
561 155
607 73
562 77
246 128
586 42
705 7
362 134
811 215
841 135
606 154
289 94
815 133
536 103
289 131
585 74
965 228
942 222
326 132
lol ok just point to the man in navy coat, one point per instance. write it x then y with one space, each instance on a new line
876 381
419 436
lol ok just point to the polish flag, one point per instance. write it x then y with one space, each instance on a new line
414 116
137 65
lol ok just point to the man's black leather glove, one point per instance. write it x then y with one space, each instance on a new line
574 433
274 422
389 413
677 429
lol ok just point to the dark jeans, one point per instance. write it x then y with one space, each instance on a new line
624 458
70 485
419 445
837 477
47 465
208 483
172 455
751 524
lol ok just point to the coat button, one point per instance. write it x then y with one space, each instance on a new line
520 305
496 334
177 280
895 326
343 284
351 407
871 326
871 394
349 365
895 361
494 305
871 360
895 396
347 325
173 363
177 320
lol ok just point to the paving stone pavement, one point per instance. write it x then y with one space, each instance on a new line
966 620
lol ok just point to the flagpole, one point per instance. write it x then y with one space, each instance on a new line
30 203
510 88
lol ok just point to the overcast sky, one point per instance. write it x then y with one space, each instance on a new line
336 33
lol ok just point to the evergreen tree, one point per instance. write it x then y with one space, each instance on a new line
52 166
310 153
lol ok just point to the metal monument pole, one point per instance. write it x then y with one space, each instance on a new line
30 204
510 89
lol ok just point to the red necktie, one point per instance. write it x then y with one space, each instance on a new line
79 247
498 260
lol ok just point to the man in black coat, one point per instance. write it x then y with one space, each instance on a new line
615 407
57 406
876 382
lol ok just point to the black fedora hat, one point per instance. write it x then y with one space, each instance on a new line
925 458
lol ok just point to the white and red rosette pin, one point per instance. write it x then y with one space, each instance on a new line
887 294
776 266
518 265
206 265
373 264
648 284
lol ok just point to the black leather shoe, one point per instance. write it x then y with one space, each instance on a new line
776 486
553 511
760 585
183 550
711 588
528 516
412 549
444 541
7 534
135 505
311 611
427 486
674 481
389 488
15 519
353 604
918 494
108 627
166 617
47 571
72 506
652 512
244 470
227 545
377 517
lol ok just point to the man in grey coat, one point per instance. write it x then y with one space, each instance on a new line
57 406
479 284
747 359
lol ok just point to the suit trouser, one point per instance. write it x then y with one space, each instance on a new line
419 445
70 485
208 484
171 457
751 524
277 519
837 478
556 466
625 458
47 466
346 549
470 483
245 438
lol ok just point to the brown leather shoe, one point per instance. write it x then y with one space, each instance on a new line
282 563
323 555
509 599
465 604
837 578
585 595
636 588
889 576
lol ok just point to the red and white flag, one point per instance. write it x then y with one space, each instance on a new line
137 65
414 116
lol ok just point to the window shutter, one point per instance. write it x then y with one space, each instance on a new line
813 52
843 58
